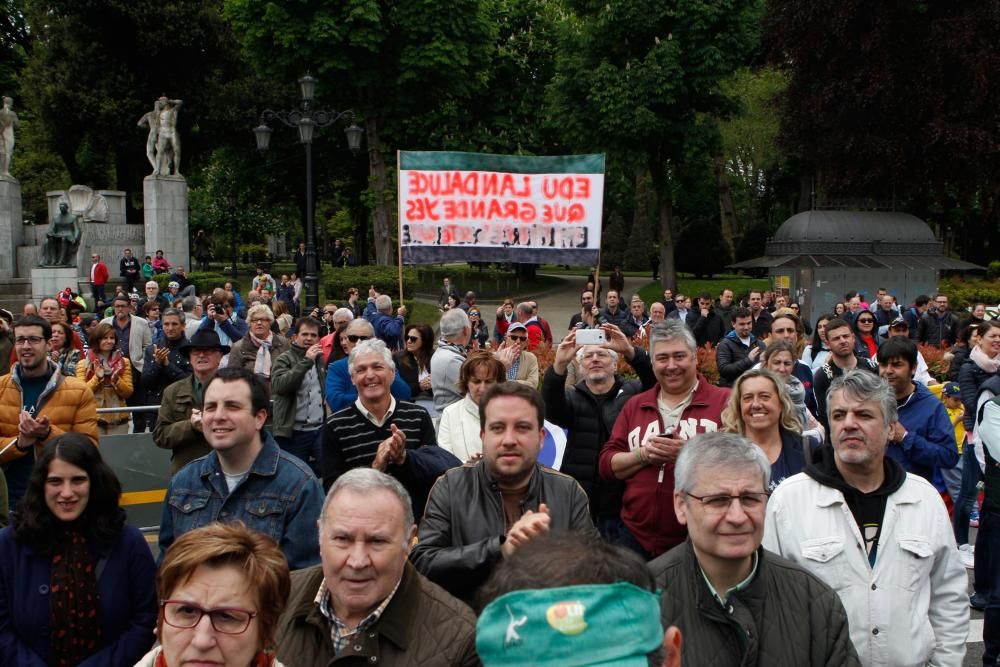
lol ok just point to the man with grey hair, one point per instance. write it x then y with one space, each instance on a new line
335 321
879 536
339 390
388 327
377 431
446 363
649 434
365 602
734 602
589 409
192 309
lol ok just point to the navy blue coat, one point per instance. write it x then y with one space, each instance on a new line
126 586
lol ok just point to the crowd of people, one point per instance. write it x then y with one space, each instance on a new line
349 485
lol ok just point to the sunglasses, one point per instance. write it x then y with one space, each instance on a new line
518 338
413 339
473 313
354 339
866 321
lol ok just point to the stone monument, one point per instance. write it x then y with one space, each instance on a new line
62 239
100 218
11 215
164 192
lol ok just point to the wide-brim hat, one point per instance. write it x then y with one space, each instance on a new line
204 338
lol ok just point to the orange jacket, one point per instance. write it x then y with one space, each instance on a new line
66 401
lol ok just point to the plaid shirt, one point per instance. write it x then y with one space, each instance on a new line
340 634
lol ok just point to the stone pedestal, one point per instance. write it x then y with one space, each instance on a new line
48 281
165 214
11 226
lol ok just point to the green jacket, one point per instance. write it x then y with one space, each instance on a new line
173 426
287 373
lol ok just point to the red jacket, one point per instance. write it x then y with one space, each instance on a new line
648 503
100 273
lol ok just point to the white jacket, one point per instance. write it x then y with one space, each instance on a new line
912 609
458 430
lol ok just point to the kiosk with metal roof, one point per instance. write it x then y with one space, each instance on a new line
819 255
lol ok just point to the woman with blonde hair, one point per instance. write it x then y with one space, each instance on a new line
222 589
760 410
108 373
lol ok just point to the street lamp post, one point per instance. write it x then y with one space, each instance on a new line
306 120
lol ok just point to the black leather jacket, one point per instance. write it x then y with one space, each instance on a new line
463 526
589 419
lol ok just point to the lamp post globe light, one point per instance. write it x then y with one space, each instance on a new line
307 120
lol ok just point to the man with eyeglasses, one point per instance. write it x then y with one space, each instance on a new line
38 403
880 537
98 278
938 325
521 365
651 431
734 602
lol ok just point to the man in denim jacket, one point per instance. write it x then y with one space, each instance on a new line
246 477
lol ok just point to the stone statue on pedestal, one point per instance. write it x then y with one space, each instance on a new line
163 145
151 119
62 239
8 123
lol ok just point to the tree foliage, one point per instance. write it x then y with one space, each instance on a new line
642 78
406 67
232 198
95 66
891 98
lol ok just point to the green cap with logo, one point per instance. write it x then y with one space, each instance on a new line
615 625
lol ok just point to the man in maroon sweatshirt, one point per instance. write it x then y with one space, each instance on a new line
649 434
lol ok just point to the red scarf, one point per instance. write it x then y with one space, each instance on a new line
115 363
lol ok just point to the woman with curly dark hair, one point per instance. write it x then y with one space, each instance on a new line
414 362
77 586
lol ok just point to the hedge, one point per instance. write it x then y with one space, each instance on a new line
334 282
204 281
962 293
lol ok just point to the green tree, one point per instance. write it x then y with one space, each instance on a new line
228 198
750 166
405 67
95 66
643 79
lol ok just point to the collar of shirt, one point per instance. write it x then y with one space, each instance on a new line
340 634
372 418
735 589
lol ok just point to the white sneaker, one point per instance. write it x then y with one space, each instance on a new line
967 556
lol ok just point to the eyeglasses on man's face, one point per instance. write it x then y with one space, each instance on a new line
719 504
354 338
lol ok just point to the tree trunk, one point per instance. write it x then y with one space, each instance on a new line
727 211
381 215
665 215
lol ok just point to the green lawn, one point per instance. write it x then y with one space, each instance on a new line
687 284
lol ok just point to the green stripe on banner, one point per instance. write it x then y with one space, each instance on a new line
516 164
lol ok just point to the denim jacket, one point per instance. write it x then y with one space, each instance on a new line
279 497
